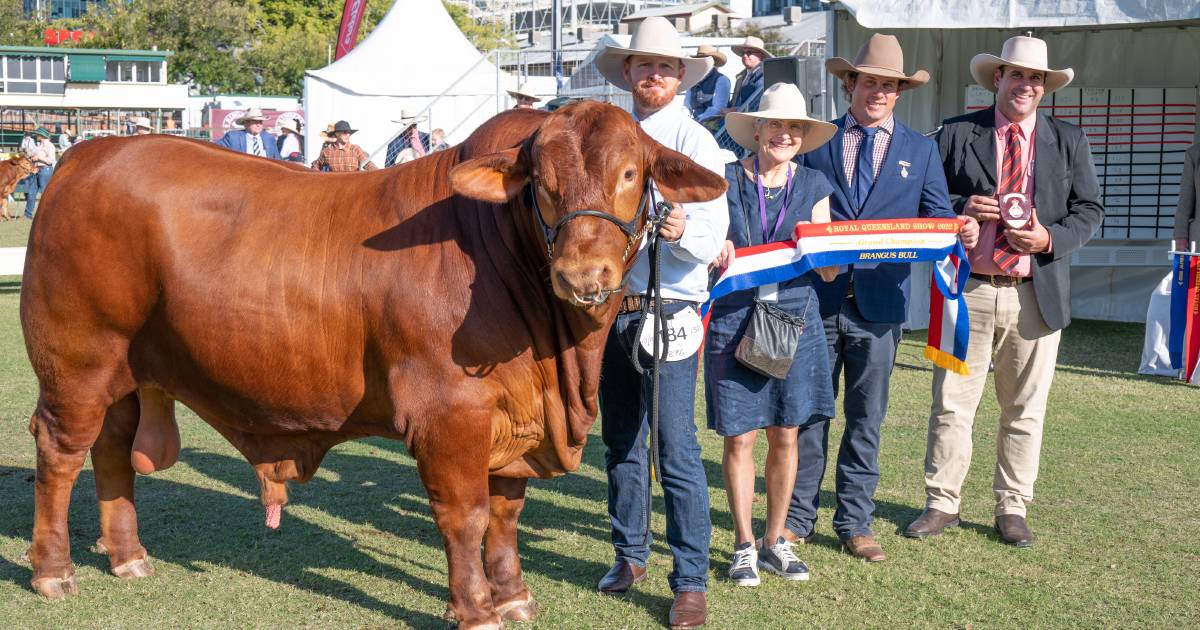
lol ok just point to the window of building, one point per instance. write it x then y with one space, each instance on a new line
32 75
133 71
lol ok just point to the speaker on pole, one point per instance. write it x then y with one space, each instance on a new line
782 70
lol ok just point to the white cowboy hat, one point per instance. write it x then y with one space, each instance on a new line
408 118
142 121
290 124
881 56
253 113
781 101
752 43
1022 52
525 91
653 37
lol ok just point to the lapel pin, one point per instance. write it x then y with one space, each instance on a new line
904 169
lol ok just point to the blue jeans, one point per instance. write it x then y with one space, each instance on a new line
625 405
34 185
866 351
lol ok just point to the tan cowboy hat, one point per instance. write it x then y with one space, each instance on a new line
327 134
408 118
141 121
881 56
253 113
1023 52
525 91
654 37
781 101
706 50
752 43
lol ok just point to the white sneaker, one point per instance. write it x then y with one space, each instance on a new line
780 560
742 571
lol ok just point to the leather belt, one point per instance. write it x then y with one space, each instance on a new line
633 303
1001 281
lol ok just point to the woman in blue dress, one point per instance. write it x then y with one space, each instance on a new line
768 196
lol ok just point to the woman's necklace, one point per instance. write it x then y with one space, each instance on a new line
772 193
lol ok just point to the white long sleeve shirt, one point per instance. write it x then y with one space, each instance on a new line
684 264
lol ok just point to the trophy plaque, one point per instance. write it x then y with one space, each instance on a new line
1015 210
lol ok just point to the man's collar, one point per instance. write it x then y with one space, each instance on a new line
1027 126
654 113
888 125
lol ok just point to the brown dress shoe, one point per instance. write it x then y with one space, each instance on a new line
621 577
690 610
1013 530
931 523
864 547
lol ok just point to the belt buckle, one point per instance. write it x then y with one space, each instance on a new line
1005 282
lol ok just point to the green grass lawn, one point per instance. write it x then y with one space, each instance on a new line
1115 518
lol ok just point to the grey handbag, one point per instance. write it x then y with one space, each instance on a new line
769 344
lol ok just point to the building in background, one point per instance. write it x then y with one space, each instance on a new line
58 9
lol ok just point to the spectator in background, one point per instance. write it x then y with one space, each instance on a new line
291 143
141 126
437 140
708 98
64 138
44 157
524 97
410 143
342 156
28 142
251 138
749 86
1187 219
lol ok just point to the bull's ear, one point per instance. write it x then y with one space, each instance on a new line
495 178
681 180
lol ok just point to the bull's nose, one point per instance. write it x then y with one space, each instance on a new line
585 282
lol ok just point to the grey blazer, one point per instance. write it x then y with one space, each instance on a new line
1187 216
1066 193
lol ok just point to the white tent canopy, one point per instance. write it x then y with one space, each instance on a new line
416 59
1017 13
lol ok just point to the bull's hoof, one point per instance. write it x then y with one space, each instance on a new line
519 610
488 625
55 589
134 569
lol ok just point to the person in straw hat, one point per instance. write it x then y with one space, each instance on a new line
1019 293
408 145
878 169
749 86
251 138
655 68
343 156
768 196
43 156
141 126
291 143
524 97
707 99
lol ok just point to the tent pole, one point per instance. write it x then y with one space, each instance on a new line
556 41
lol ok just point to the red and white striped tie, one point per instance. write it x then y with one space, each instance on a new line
1011 176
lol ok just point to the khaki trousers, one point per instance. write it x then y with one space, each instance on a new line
1007 330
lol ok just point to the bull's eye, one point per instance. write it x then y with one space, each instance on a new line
629 175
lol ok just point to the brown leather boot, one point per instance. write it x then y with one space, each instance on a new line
621 577
690 610
1014 530
864 547
931 523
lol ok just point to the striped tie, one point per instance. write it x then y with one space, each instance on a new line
256 146
1011 176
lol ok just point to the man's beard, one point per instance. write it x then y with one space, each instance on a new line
644 95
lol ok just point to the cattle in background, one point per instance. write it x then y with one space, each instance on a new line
12 171
425 303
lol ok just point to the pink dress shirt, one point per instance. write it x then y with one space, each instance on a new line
981 256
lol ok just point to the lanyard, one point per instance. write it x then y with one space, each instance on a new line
769 237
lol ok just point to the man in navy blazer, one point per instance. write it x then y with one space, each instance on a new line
879 169
251 138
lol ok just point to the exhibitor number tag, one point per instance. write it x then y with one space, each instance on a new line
685 332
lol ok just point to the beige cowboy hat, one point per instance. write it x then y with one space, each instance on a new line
781 101
525 91
407 117
1023 52
881 56
654 37
327 134
718 57
752 43
140 121
290 124
253 113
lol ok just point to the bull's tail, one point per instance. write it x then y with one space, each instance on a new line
156 445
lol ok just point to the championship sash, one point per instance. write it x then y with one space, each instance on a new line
869 242
1184 341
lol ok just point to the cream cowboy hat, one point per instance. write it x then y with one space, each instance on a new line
881 56
408 118
291 124
525 91
654 37
1023 52
781 101
752 43
253 113
706 50
141 121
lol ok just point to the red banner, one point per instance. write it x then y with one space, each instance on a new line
222 120
348 32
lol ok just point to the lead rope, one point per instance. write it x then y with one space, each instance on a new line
660 345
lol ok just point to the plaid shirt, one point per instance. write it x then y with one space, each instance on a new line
854 136
344 160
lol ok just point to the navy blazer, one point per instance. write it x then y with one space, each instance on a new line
236 140
915 189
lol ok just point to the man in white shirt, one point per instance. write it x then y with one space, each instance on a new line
655 68
44 157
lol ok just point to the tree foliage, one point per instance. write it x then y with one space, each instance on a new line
486 35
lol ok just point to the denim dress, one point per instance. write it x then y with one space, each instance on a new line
740 399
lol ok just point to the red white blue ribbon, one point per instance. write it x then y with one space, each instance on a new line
871 242
1184 337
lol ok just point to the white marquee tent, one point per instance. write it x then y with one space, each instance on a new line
415 59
